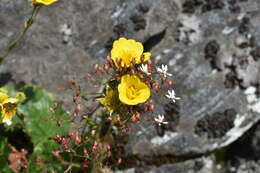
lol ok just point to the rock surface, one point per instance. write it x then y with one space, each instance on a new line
212 48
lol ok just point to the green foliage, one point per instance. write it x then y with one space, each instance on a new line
39 124
35 109
4 150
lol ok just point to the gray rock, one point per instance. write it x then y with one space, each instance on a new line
211 115
200 165
214 71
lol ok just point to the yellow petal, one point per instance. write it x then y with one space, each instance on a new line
144 94
44 2
147 56
3 97
110 100
11 100
127 51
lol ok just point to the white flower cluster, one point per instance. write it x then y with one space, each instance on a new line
171 94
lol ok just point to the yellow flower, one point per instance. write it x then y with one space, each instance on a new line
3 97
132 90
8 109
110 101
44 2
8 105
128 51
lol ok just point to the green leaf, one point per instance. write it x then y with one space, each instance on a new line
40 124
4 151
35 109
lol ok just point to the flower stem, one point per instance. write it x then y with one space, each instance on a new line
28 24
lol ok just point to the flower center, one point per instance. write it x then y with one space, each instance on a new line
132 92
9 108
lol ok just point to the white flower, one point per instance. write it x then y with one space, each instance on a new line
171 95
160 120
144 68
163 70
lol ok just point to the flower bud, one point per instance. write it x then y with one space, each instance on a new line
100 69
142 59
88 75
95 86
119 161
61 89
52 110
152 107
77 139
77 92
96 67
106 67
59 121
78 108
169 83
72 81
85 151
117 77
57 138
93 132
133 63
135 117
108 147
94 147
56 154
119 62
38 161
109 118
74 99
132 70
70 134
156 87
109 59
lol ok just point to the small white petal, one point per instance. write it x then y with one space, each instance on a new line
144 68
160 120
171 95
163 70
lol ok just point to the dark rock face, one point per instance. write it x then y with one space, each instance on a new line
211 48
243 155
216 125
